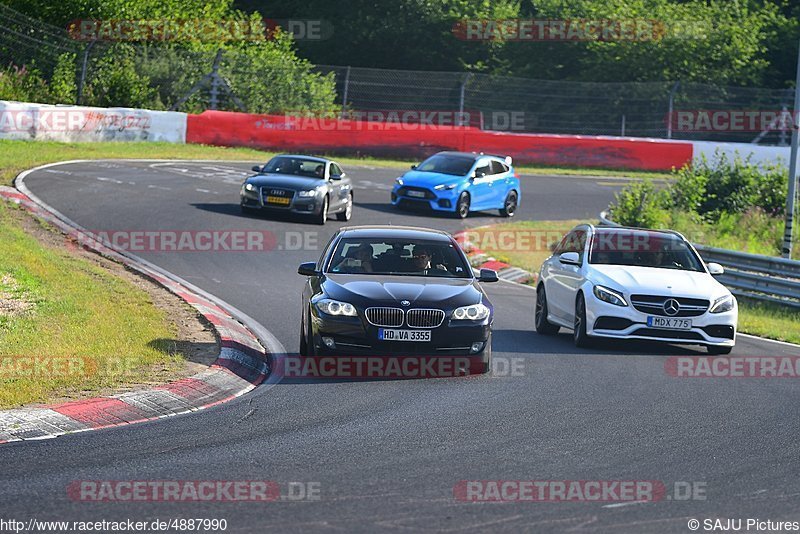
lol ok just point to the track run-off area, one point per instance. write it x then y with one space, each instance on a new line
393 455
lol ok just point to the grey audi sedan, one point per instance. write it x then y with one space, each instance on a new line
305 185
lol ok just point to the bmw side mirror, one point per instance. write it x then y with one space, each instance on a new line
488 275
257 168
715 269
569 258
308 269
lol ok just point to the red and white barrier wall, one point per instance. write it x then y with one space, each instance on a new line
293 134
43 122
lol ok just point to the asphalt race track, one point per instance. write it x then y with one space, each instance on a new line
387 454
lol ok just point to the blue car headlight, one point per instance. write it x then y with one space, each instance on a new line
446 187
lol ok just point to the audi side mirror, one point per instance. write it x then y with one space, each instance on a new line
257 168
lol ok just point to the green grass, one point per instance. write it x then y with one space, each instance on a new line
17 156
87 329
759 319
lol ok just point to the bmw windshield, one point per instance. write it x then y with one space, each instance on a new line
642 249
398 257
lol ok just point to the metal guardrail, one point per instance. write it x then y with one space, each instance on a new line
754 276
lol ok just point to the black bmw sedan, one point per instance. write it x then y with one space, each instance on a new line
393 290
304 185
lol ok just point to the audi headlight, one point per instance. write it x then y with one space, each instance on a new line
399 180
334 307
475 312
446 187
723 304
249 187
309 193
609 295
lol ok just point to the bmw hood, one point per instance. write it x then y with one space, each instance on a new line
653 281
365 291
287 181
429 179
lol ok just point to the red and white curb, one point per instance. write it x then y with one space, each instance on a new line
481 260
241 365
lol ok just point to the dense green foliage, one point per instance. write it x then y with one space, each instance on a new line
722 42
727 203
265 74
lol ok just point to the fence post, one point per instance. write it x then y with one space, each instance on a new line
623 126
788 230
214 96
84 67
461 98
346 89
671 102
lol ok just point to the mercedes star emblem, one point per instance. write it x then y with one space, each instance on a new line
671 307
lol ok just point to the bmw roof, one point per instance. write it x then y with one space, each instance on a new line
399 232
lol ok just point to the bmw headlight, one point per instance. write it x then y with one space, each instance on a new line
249 187
399 180
722 304
446 187
475 312
335 307
309 193
609 295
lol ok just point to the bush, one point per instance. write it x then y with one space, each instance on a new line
640 204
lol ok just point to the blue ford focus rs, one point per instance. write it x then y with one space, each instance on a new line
458 183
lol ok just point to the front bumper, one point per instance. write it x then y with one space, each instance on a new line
444 201
355 336
297 205
626 322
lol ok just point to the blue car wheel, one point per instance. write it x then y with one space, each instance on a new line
462 206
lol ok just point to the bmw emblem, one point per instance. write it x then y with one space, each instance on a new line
405 303
671 307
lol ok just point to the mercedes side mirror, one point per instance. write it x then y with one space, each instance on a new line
715 269
488 275
569 258
308 269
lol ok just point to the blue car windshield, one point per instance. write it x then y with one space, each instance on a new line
447 164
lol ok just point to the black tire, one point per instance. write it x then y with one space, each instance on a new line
307 339
462 206
510 205
323 212
486 363
579 335
543 326
717 350
345 215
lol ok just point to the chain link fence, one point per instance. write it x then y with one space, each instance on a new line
169 76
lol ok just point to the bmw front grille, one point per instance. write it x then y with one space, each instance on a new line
386 317
424 318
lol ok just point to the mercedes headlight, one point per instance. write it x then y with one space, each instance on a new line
475 312
309 193
609 295
722 304
249 187
334 307
446 187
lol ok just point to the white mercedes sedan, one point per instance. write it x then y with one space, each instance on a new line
630 283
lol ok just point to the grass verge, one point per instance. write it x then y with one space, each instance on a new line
525 244
70 328
16 156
